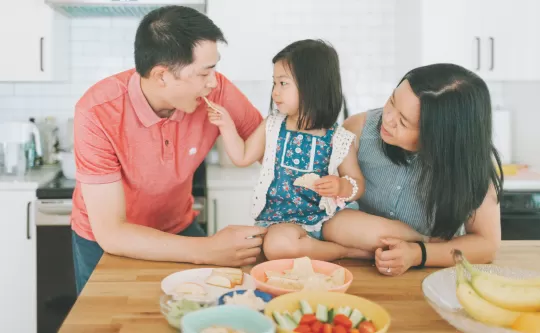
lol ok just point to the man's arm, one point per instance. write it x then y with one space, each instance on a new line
106 208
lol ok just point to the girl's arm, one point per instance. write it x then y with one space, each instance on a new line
241 153
349 167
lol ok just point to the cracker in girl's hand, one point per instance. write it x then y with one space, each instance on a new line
307 180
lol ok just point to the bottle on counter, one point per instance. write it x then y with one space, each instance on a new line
50 140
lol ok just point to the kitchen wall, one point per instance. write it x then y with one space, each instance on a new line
364 40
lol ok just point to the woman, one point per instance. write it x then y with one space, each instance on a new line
430 169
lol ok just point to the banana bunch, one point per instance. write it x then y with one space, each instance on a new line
497 300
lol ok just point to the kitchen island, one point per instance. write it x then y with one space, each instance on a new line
122 294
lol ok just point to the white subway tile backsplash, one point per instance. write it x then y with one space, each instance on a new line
6 89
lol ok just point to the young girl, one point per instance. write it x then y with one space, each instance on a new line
301 137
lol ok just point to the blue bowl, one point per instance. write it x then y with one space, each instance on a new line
266 297
231 316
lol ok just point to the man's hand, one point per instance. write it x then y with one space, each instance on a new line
233 246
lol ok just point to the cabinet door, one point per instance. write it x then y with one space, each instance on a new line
18 281
35 40
229 207
21 34
445 34
513 43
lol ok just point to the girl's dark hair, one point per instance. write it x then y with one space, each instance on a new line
314 65
459 161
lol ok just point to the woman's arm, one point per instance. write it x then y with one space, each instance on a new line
479 245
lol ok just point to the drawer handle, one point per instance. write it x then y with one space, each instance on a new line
28 236
41 53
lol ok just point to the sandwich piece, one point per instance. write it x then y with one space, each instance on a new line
190 288
235 274
220 280
307 180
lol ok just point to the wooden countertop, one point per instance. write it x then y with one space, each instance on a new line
123 294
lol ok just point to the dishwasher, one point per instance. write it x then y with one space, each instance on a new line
56 291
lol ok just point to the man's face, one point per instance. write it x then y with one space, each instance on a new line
193 81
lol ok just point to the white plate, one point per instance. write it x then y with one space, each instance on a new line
198 276
440 291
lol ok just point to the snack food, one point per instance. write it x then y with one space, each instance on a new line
307 180
303 277
225 277
190 288
248 299
324 319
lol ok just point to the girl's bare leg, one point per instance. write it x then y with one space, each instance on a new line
287 240
353 228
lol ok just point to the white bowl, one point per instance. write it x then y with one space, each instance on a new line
439 289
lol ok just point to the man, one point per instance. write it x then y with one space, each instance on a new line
140 135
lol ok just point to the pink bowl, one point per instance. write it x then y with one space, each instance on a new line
259 274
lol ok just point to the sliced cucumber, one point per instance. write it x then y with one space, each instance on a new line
284 321
331 315
356 317
346 311
322 313
297 316
305 307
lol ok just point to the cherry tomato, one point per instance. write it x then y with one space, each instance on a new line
367 327
317 327
308 319
342 320
327 328
303 329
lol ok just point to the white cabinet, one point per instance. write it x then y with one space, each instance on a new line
497 39
230 191
18 281
35 42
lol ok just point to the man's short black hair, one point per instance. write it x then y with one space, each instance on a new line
167 36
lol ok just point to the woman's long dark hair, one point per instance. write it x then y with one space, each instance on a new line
456 152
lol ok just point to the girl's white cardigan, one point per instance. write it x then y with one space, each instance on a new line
341 143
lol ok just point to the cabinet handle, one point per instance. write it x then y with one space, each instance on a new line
492 40
41 53
477 53
28 236
214 204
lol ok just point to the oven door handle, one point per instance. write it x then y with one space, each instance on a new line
54 207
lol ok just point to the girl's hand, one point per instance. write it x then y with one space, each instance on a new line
328 186
219 116
399 257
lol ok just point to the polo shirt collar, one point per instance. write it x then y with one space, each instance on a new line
143 110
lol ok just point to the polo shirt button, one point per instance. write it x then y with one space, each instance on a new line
391 213
399 187
166 142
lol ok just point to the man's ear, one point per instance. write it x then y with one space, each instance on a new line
157 75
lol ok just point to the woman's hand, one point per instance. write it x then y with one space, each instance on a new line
219 116
399 257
